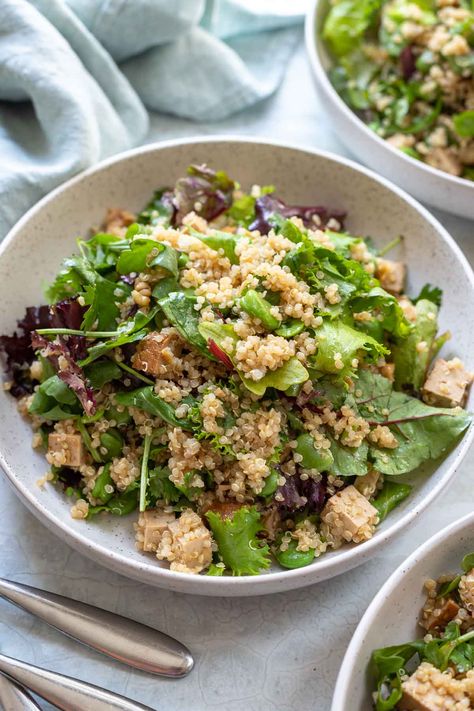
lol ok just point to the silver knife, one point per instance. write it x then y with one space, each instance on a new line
65 692
125 640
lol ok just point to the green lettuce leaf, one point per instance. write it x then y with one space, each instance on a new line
290 373
337 337
240 549
347 22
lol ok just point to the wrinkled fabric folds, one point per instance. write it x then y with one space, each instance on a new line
77 77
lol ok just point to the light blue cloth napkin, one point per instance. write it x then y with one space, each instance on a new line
76 76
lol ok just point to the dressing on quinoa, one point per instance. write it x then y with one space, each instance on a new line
407 69
243 374
435 673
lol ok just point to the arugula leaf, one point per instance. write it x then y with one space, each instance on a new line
178 308
389 315
146 399
422 432
75 273
391 495
54 400
102 372
347 22
237 543
411 363
290 373
102 298
102 250
312 457
431 293
468 562
449 586
103 347
339 338
145 253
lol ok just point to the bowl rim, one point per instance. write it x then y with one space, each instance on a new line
345 672
346 558
312 37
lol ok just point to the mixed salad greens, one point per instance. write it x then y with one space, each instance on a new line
448 647
232 368
406 68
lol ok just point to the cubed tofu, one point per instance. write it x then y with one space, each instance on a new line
466 591
349 516
154 354
447 383
191 544
429 689
66 450
391 275
367 485
151 526
388 371
117 221
444 612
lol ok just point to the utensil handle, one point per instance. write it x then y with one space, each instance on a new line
65 692
14 697
125 640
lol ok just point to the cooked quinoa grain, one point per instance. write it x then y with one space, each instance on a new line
233 379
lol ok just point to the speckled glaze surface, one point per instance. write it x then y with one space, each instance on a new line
376 208
392 616
439 189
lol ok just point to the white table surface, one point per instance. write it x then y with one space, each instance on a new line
275 653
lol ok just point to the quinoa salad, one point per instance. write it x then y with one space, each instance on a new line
244 377
435 673
407 70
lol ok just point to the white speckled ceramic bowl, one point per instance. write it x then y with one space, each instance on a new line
439 189
31 255
392 616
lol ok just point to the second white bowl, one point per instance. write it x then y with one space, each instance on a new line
392 616
439 189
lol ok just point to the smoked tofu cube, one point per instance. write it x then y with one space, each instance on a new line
466 591
429 689
151 526
447 384
388 371
155 354
348 516
117 221
443 613
191 545
65 450
391 275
